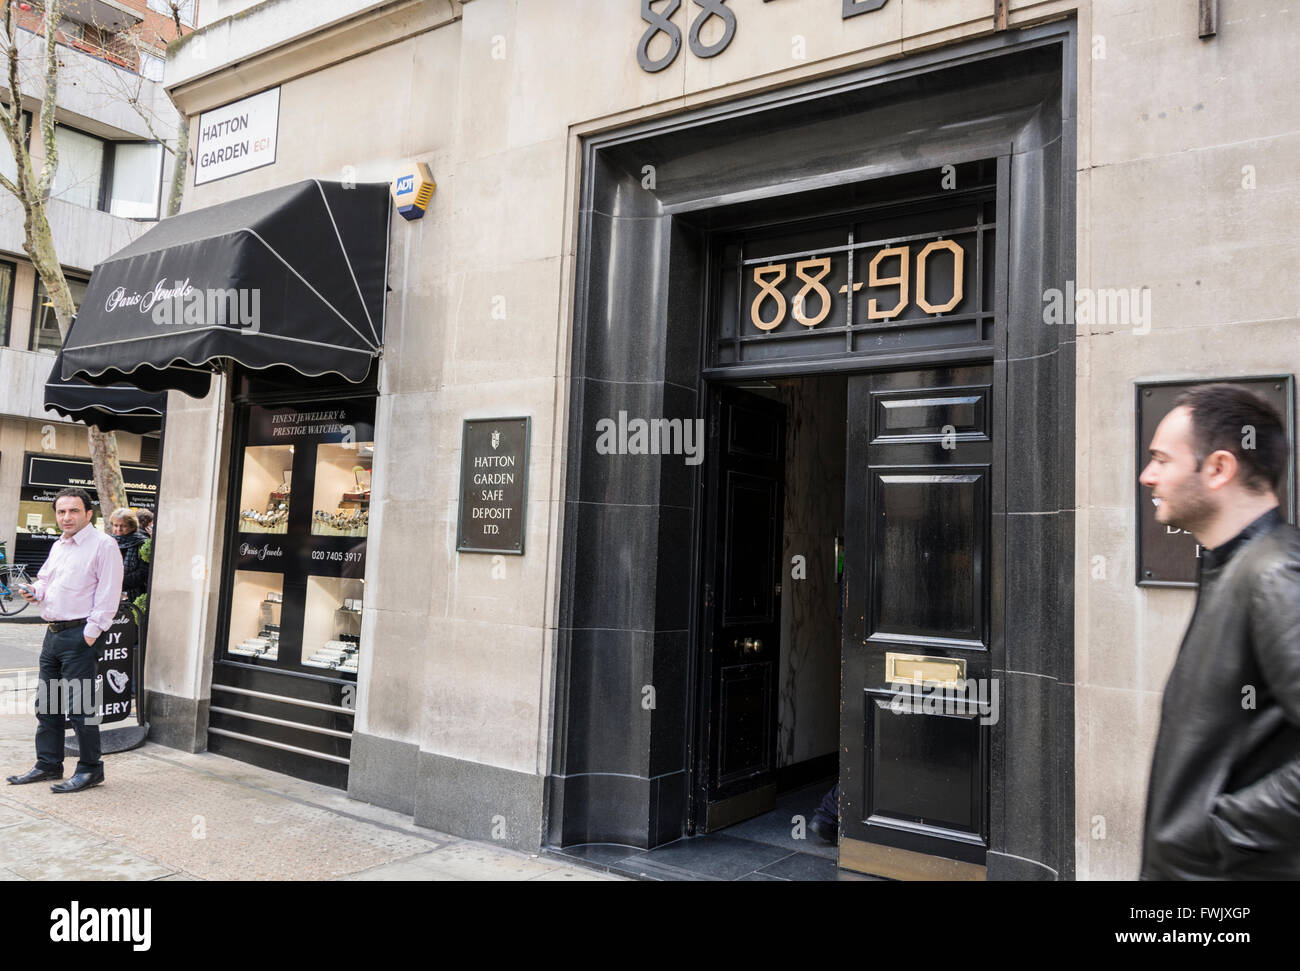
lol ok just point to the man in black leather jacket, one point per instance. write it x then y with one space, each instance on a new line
1224 796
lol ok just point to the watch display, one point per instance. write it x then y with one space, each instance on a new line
341 497
264 492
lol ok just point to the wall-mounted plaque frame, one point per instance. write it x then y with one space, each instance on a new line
493 486
1166 557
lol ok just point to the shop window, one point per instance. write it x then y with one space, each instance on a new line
43 476
45 325
299 536
255 615
122 178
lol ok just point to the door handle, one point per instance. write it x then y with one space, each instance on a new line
750 645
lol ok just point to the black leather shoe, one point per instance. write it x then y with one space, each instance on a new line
82 780
35 775
826 832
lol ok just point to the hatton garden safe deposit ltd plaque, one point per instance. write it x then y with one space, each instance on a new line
493 485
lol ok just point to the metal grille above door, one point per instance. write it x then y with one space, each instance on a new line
906 277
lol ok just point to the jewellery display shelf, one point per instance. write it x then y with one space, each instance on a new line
332 628
341 502
261 617
268 472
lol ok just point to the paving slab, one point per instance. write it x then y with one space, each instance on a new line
102 862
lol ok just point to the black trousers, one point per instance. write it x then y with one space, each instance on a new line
68 668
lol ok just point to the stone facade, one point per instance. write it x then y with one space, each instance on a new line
1183 185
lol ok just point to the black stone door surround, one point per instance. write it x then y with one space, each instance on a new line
624 724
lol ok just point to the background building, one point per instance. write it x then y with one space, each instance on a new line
111 185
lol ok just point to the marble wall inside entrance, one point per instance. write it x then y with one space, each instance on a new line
808 709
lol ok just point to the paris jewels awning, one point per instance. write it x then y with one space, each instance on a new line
110 408
292 277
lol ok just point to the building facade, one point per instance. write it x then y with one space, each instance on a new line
110 186
751 361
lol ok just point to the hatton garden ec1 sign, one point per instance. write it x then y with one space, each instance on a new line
665 36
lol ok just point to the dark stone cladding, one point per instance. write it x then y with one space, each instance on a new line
621 771
180 723
479 801
383 772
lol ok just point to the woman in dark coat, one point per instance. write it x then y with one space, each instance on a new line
135 571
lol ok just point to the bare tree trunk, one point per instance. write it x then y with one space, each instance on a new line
108 473
182 164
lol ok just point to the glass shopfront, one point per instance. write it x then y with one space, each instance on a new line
296 587
289 643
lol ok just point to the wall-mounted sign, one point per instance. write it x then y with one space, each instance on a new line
237 137
1166 556
659 15
493 485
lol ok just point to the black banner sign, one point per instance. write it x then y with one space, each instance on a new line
1166 556
115 677
493 485
325 556
79 473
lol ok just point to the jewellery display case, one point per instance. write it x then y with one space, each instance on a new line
297 550
264 493
341 503
331 630
255 616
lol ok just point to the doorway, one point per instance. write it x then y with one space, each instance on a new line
718 274
845 619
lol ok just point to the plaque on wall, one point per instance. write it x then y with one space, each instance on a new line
493 486
1166 556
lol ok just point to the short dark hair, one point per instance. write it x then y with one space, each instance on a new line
145 518
81 494
1223 415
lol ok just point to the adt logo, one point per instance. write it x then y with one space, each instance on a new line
412 190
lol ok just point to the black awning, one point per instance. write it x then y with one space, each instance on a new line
290 277
114 408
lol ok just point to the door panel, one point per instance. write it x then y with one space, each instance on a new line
914 771
742 608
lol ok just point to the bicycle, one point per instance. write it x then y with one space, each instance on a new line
11 577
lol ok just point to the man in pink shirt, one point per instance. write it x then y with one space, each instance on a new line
79 589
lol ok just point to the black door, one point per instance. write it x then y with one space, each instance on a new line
915 691
742 609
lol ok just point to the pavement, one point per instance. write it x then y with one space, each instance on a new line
20 641
163 814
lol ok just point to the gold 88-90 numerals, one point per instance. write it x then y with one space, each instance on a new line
813 271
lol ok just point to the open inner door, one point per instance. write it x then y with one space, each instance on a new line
916 700
742 598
